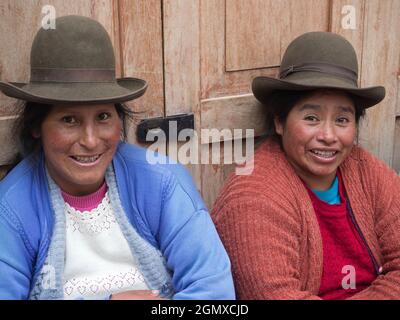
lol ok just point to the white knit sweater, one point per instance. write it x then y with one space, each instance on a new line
98 260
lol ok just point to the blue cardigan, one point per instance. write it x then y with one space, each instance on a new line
160 202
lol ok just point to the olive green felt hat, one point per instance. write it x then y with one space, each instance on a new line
74 63
317 60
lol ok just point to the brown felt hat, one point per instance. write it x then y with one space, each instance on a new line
317 60
74 63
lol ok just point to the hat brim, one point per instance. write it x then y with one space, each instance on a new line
123 89
264 87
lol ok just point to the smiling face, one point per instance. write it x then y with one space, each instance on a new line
79 143
318 135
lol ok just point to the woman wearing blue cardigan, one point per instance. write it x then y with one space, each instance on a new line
85 215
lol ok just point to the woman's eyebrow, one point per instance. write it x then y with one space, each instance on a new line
347 109
307 106
67 110
317 107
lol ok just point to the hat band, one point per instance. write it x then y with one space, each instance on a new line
321 67
72 75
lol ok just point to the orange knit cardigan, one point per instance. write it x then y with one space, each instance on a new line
268 226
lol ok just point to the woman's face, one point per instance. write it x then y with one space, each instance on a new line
318 135
79 142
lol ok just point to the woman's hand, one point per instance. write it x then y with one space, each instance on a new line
137 295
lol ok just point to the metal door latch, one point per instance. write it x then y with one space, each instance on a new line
179 121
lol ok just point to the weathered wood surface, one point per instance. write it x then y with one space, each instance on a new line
396 149
182 65
396 152
381 65
238 112
258 31
141 50
215 80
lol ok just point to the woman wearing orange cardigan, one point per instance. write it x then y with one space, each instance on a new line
319 217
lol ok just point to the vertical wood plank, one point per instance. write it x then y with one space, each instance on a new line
140 27
115 29
398 92
354 36
182 65
141 47
182 55
214 175
380 65
213 83
396 151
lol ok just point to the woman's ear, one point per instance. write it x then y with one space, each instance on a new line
278 126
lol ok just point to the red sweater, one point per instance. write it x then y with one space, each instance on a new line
268 225
345 255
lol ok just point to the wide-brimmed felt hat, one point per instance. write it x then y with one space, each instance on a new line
74 63
318 60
